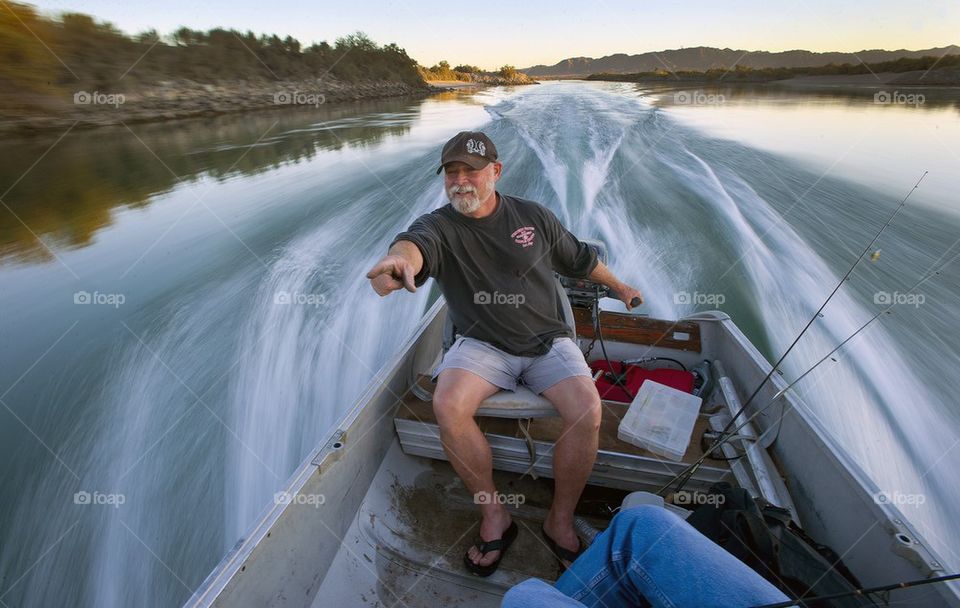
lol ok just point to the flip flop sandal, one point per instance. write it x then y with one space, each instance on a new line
562 553
500 544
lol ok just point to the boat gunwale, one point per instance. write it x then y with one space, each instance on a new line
894 522
217 582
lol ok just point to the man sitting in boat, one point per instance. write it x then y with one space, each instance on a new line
494 257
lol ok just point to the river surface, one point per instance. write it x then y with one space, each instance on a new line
183 311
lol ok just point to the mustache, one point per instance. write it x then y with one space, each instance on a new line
458 189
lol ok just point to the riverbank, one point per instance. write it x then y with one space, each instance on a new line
88 108
446 85
941 77
920 78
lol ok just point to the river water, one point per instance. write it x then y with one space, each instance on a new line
183 311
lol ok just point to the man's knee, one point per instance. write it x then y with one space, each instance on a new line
583 409
531 592
449 408
453 405
644 521
458 396
594 411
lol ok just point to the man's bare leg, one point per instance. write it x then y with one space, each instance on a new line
578 402
455 401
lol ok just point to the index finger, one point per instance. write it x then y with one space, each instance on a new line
380 268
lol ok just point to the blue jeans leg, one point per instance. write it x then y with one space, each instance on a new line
650 555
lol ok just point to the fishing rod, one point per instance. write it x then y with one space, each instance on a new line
827 300
685 475
863 591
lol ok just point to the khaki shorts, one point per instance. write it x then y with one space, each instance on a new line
563 360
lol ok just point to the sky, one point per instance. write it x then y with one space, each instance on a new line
493 33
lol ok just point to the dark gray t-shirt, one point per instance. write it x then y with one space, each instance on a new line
496 272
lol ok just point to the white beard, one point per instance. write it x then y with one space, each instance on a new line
464 199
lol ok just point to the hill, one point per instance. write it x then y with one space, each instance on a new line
702 58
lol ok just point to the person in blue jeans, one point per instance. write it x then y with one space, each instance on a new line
649 557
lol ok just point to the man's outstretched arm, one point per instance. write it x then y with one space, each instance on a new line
397 269
623 292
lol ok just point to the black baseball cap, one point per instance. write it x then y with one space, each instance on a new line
471 147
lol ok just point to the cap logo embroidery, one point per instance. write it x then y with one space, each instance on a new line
476 147
523 236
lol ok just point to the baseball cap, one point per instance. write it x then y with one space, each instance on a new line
471 147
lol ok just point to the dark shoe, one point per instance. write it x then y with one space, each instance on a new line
500 544
562 553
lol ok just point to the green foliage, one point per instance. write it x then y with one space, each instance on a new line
472 73
442 71
97 55
25 66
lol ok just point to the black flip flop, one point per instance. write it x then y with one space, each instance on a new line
562 553
501 544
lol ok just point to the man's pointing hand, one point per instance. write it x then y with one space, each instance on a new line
390 274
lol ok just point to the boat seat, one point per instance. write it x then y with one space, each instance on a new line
521 403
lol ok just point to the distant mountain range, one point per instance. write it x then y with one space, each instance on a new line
704 57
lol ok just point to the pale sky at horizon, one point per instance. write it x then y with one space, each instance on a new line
548 32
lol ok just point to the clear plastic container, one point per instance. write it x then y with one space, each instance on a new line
660 419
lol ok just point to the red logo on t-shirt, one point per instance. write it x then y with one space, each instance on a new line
523 236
